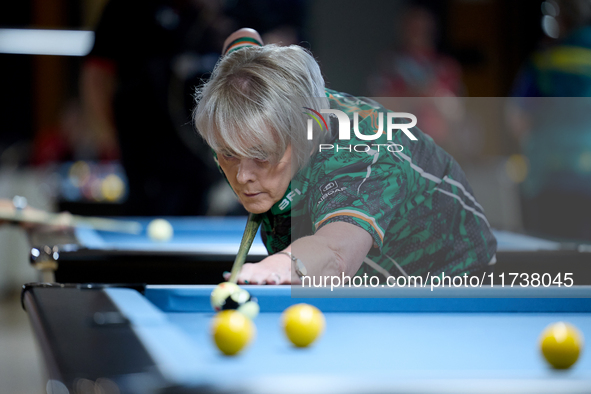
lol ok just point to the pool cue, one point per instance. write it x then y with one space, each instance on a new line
55 219
112 225
252 226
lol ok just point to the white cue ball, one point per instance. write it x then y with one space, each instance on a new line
160 230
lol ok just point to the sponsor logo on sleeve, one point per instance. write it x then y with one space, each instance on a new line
329 186
330 189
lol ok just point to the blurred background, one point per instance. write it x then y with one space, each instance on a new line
96 97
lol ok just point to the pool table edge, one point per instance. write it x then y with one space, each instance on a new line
57 366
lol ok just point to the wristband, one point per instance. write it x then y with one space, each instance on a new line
242 42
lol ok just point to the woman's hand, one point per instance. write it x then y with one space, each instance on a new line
274 270
241 33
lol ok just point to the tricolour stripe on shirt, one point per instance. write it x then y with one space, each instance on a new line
356 214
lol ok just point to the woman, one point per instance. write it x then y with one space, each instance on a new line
334 211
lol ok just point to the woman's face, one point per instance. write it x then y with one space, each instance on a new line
257 183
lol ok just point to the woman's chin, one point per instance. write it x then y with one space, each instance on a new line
257 208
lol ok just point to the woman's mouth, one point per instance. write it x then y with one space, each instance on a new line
250 195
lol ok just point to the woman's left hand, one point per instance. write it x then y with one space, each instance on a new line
274 270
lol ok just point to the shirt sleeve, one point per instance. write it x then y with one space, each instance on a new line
366 191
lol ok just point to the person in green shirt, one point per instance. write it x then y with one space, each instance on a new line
384 204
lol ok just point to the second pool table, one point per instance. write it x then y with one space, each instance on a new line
204 247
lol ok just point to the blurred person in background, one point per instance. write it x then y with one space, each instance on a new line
69 140
138 83
416 68
555 132
137 88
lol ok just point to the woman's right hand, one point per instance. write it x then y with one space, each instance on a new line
240 33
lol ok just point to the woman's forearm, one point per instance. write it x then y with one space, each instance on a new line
335 249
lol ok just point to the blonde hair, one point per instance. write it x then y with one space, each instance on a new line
252 106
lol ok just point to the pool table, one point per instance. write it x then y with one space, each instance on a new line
156 339
201 249
204 247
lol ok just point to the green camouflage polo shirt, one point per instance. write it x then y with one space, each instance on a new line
416 203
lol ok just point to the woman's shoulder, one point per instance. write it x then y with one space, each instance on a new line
349 103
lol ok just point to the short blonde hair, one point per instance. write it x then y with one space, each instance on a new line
252 106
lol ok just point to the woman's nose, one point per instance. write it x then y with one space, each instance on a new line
246 171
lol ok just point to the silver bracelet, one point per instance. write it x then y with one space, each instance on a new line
300 268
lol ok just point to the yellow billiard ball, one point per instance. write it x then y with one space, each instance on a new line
232 331
561 344
302 324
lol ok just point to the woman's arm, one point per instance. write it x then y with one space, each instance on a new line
337 248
